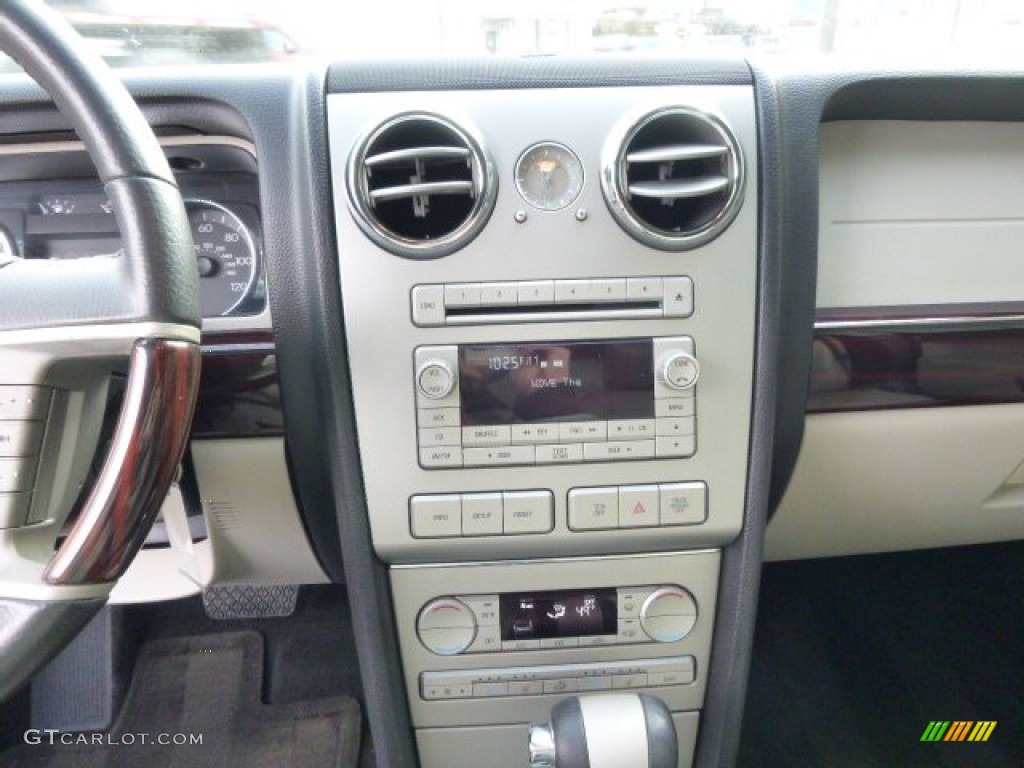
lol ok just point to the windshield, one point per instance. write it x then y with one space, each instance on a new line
145 33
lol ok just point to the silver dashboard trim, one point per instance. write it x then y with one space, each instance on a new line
924 324
555 560
242 348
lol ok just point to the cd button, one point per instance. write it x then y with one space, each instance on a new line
631 429
534 433
678 301
430 438
478 436
560 454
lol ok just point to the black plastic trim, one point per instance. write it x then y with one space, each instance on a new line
570 734
533 72
662 739
781 303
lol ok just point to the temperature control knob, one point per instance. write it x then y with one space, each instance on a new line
668 614
446 626
435 379
679 370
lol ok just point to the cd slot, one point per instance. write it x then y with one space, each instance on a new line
541 313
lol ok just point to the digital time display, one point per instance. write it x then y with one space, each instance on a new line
552 381
562 613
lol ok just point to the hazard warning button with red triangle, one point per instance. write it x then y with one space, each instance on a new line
638 506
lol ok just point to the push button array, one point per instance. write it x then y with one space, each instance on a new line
637 506
481 514
457 303
23 411
558 679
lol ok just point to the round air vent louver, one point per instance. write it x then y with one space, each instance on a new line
421 186
674 178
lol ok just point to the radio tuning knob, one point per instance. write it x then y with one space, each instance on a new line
446 626
435 379
679 370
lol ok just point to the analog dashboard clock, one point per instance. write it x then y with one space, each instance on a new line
549 176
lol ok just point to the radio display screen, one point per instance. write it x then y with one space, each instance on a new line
570 381
565 613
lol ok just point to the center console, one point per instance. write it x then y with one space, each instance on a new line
550 298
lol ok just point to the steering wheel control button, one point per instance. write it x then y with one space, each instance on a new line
678 297
593 509
683 503
20 438
482 514
14 509
446 626
23 403
528 511
438 516
16 475
668 614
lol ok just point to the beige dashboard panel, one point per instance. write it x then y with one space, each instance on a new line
903 479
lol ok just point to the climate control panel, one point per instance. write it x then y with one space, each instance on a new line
578 618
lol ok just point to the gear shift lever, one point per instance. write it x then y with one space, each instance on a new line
626 730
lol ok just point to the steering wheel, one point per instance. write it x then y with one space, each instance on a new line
65 327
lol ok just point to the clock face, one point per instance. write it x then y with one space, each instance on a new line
549 176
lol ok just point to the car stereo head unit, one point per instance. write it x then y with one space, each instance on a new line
556 402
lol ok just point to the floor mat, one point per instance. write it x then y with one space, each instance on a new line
854 657
195 703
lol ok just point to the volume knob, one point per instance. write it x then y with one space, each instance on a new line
679 370
435 379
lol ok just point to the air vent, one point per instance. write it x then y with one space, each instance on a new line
420 186
673 179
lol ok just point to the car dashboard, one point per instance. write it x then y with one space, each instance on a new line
523 352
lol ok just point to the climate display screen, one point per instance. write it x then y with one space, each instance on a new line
570 381
565 613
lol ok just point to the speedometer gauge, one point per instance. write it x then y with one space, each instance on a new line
225 255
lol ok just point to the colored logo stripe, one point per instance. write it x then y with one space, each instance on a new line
959 730
935 731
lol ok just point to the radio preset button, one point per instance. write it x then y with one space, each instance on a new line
483 436
498 294
572 292
462 295
644 288
608 290
537 292
560 454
